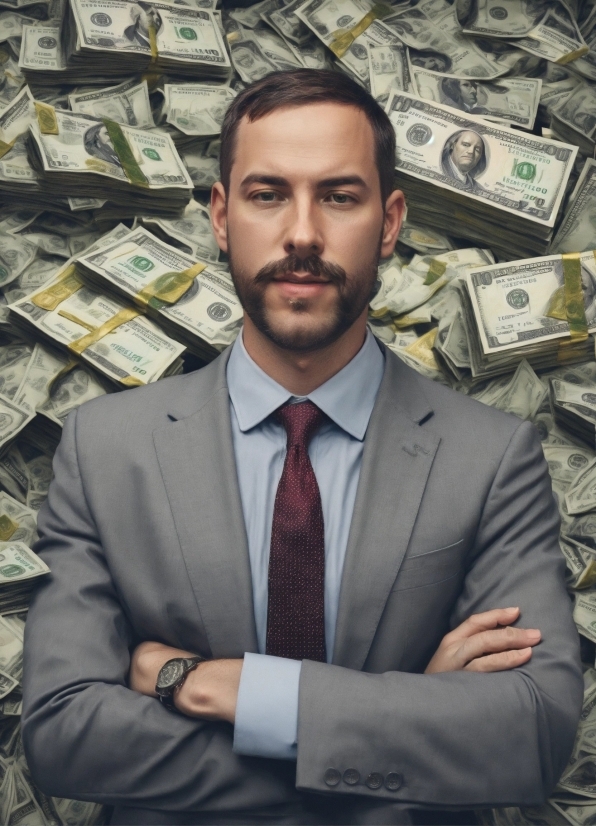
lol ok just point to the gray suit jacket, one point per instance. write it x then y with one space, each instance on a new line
144 535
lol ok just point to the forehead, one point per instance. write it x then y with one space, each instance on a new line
320 140
469 137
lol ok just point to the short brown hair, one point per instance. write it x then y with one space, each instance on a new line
299 88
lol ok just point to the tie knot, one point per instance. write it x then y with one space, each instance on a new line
301 421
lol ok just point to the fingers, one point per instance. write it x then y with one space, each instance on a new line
483 622
504 661
496 641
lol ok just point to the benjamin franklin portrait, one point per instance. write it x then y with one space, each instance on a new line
464 158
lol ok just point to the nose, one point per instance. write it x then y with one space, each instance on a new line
303 236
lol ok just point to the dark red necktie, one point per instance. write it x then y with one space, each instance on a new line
296 610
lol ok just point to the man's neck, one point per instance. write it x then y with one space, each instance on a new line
301 373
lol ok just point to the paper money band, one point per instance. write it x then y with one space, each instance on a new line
67 284
435 271
567 303
7 528
81 344
422 349
343 40
5 147
152 42
121 147
46 119
168 288
567 58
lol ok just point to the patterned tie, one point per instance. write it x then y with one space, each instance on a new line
296 611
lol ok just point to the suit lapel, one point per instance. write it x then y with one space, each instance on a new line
398 455
197 462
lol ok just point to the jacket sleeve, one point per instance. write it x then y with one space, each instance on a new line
461 738
86 734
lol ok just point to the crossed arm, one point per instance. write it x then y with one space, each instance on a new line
484 642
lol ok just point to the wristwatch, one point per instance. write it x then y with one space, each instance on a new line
172 675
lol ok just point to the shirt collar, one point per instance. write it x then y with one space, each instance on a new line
347 398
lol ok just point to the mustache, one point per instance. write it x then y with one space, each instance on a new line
312 264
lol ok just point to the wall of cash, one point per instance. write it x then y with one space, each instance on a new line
110 277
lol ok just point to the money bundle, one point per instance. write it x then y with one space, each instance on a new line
574 410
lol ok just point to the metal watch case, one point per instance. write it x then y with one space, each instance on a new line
172 674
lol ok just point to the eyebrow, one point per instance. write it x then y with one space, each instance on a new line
275 180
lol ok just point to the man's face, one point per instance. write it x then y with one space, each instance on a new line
304 222
467 151
468 91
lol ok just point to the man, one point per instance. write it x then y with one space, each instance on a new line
97 143
464 158
311 517
461 94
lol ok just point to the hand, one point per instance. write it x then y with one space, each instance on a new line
210 691
481 643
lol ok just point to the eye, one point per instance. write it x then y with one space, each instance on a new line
340 198
266 196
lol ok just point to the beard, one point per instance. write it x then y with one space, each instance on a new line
353 295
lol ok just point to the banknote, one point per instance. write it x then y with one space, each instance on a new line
126 103
195 108
506 100
191 231
331 21
577 231
581 495
514 172
103 331
15 119
179 290
182 35
433 34
389 70
513 302
41 49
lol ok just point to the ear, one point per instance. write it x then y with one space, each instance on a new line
219 215
395 213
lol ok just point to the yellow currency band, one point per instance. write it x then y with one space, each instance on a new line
5 147
168 288
567 303
435 271
46 118
7 527
68 284
153 42
567 58
125 155
342 40
81 344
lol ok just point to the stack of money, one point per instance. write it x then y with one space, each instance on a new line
574 410
157 37
19 571
192 302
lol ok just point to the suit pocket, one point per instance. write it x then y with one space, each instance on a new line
430 567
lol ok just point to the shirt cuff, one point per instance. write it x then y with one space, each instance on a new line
267 708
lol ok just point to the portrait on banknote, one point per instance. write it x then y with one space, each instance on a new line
462 94
429 59
97 143
143 19
464 158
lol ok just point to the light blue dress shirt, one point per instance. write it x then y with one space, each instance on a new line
267 710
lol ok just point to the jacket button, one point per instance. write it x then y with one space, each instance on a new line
374 780
332 777
351 777
393 781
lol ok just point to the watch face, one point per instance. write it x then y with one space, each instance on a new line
170 674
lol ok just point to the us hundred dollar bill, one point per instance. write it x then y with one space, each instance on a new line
118 342
519 174
193 299
126 103
82 145
505 100
196 108
389 70
577 231
513 302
